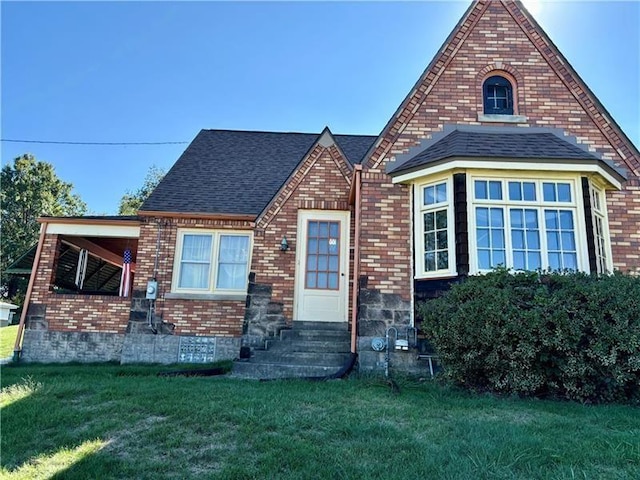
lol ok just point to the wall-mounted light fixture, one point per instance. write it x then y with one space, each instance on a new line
284 245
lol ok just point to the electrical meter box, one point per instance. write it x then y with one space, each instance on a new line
152 290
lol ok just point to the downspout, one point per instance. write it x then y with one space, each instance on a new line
25 306
357 173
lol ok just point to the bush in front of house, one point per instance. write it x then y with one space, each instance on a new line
570 335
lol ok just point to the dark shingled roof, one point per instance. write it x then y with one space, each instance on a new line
495 142
238 172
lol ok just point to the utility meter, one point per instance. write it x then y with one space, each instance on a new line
152 290
378 344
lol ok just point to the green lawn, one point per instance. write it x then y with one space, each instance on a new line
7 340
117 422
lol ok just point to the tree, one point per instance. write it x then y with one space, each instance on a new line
30 189
131 202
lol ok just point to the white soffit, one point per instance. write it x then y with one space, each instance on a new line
568 167
117 231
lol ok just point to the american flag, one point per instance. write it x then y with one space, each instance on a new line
125 280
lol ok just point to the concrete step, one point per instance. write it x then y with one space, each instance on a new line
307 349
298 345
304 325
315 335
267 371
323 359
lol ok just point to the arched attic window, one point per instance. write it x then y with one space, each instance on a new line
497 93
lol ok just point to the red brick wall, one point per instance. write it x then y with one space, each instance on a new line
75 313
191 317
87 313
385 240
322 182
546 93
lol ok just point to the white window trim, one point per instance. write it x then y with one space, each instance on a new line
508 167
418 223
603 213
576 205
212 291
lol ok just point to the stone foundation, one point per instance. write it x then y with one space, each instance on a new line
143 348
378 312
43 346
61 347
263 318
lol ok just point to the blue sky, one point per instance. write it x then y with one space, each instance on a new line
159 72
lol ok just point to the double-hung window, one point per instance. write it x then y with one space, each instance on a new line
211 262
525 224
435 247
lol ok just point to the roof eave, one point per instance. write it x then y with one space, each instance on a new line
243 217
587 165
89 221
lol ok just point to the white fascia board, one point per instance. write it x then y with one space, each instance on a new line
116 231
488 164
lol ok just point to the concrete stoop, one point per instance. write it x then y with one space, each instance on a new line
308 349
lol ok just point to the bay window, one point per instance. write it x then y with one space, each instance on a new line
525 224
211 262
522 221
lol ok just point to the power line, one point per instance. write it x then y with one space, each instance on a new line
89 143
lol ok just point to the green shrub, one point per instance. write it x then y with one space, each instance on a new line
556 335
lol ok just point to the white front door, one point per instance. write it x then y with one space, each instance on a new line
322 266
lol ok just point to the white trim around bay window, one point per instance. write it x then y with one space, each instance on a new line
434 227
600 218
211 262
526 222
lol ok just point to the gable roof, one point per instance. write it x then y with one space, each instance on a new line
238 172
549 51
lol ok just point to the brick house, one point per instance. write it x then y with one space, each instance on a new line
497 156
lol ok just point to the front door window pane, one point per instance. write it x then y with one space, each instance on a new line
323 254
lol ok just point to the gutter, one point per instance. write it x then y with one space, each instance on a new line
17 350
355 197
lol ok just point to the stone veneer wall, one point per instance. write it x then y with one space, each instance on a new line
263 318
378 312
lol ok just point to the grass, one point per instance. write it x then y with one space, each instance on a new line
7 340
113 422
